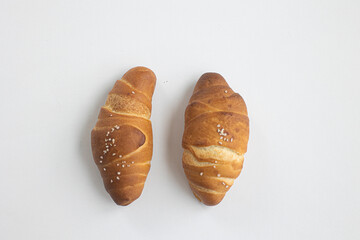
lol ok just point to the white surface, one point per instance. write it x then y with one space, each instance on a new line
296 63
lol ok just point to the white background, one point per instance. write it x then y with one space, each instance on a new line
296 63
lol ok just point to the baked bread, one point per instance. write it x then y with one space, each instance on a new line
215 138
122 140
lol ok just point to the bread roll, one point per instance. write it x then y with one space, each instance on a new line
122 140
215 138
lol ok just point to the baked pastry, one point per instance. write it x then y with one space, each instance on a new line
122 140
215 138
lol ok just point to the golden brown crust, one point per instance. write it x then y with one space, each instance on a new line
121 140
215 138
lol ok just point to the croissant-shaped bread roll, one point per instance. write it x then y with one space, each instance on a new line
215 138
122 137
